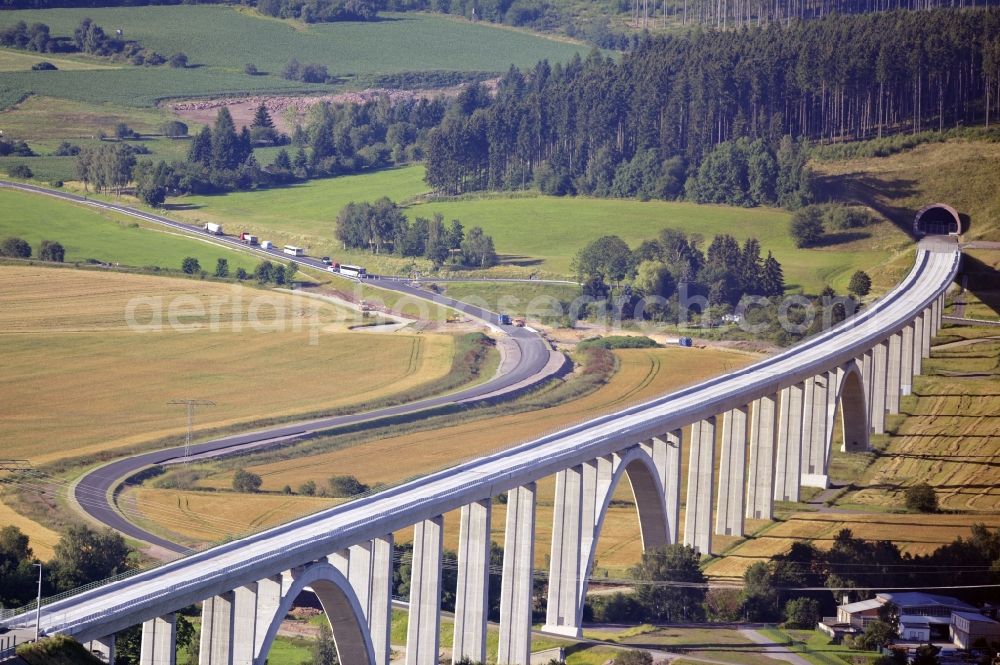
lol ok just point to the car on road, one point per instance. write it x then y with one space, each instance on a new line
326 260
505 319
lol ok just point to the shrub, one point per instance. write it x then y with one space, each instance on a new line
67 149
123 131
43 67
861 284
179 60
807 226
634 657
21 171
250 69
344 486
50 250
16 248
921 498
174 129
190 265
245 481
842 218
308 488
802 613
619 342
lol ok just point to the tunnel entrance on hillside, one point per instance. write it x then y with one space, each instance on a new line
937 219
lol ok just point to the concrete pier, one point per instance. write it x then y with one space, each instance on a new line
880 376
788 460
516 587
159 640
732 473
760 474
701 473
894 380
217 626
423 628
562 612
906 361
472 592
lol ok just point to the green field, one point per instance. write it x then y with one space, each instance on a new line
220 40
90 234
540 233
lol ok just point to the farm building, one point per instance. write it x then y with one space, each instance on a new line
968 628
923 617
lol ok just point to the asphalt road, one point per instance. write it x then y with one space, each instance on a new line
533 353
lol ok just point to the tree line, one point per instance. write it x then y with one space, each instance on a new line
309 11
595 125
381 227
88 38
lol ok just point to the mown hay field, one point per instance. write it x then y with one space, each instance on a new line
915 534
81 380
642 374
949 431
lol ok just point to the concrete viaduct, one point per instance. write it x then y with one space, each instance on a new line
776 419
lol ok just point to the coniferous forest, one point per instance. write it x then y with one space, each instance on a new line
645 124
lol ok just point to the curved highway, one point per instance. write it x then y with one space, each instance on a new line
533 356
230 565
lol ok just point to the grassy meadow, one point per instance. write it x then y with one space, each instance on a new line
89 233
963 173
538 234
220 40
212 345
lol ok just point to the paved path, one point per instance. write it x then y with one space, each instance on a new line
773 650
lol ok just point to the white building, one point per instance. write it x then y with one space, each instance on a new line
967 628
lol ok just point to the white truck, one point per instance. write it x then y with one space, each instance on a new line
214 229
266 244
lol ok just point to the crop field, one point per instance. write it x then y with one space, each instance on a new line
220 40
542 233
87 233
66 333
642 374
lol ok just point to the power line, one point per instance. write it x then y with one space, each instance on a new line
190 403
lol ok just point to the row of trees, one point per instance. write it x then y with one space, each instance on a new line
382 227
89 38
18 248
81 556
572 128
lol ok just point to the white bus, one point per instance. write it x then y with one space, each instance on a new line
353 271
294 251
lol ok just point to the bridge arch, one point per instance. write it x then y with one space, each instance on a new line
644 478
341 606
937 219
852 406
